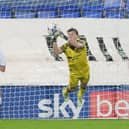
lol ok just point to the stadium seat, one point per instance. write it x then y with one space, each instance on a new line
69 14
115 13
47 14
23 8
92 14
127 9
127 4
92 11
109 4
46 11
45 8
93 7
24 14
70 11
114 9
5 14
5 11
24 11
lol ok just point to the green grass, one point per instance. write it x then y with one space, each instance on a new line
64 124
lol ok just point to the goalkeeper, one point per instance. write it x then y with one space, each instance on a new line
75 52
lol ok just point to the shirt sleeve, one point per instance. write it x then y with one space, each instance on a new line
2 59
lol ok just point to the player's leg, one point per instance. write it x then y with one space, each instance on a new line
73 82
84 80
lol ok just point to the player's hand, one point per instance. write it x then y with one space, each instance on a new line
57 33
72 41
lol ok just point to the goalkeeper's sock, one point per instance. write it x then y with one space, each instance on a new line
80 95
65 94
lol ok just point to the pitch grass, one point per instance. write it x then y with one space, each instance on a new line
64 124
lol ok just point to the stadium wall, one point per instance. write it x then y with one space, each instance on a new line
31 86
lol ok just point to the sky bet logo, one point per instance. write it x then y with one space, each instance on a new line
55 110
108 104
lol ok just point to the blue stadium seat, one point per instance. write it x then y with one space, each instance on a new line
127 9
5 11
23 8
70 14
127 4
114 13
93 7
47 14
24 14
24 11
46 11
45 8
109 4
70 11
92 14
91 11
114 9
5 14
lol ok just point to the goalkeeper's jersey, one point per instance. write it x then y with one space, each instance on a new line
77 58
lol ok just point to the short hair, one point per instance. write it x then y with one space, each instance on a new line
73 29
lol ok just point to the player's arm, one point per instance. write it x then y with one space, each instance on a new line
2 68
56 49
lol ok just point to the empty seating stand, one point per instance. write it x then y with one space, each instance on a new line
92 11
115 13
127 9
114 9
47 14
47 11
24 12
69 11
5 12
66 9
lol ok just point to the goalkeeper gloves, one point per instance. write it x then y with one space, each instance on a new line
56 34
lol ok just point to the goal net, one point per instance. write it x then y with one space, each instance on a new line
31 87
46 102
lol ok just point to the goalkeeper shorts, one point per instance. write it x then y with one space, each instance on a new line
75 78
